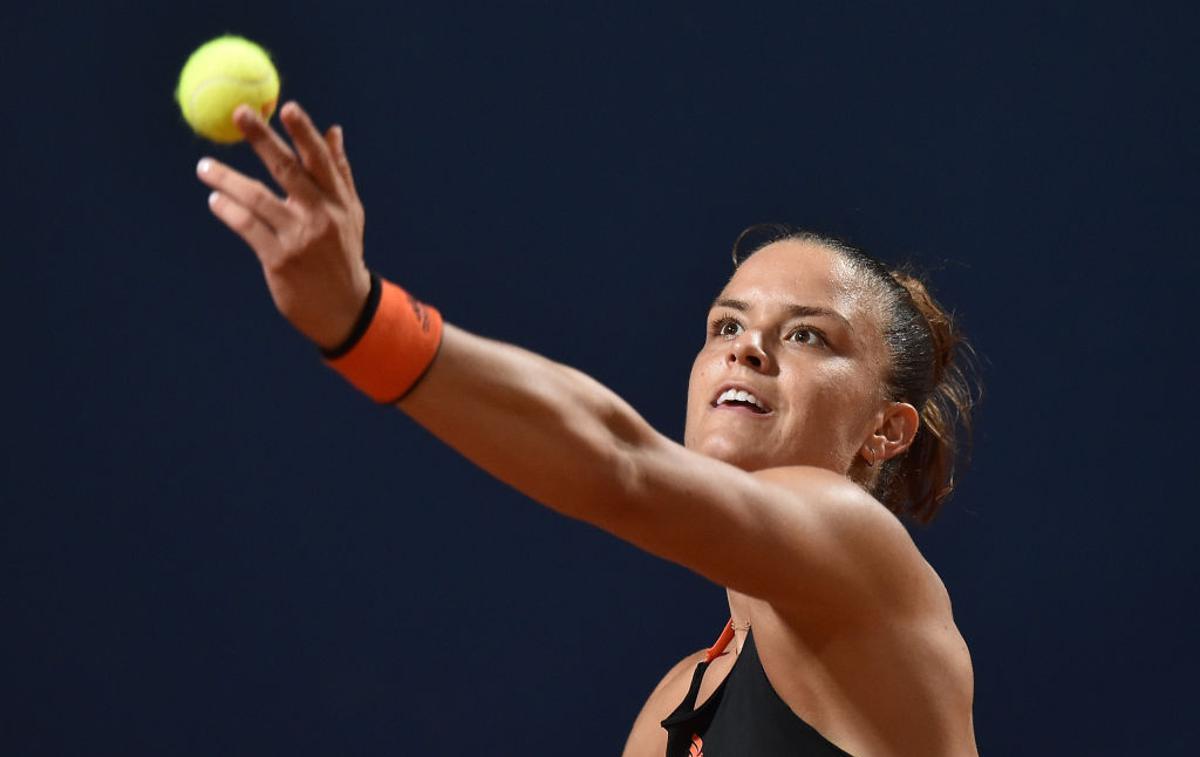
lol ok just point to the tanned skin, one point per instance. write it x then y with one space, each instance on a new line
853 627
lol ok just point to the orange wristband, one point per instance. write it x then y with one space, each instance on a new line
391 346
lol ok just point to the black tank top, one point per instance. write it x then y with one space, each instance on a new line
743 717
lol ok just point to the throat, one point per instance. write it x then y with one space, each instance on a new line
740 631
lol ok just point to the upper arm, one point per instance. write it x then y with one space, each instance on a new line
791 536
795 537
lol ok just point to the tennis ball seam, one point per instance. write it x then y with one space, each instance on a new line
220 75
213 81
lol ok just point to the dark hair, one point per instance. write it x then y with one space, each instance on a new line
932 367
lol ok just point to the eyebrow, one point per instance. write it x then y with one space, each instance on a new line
795 311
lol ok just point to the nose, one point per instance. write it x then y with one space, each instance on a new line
747 350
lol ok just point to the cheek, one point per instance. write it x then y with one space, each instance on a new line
694 380
844 402
698 381
701 368
833 399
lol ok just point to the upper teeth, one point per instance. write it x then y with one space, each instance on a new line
729 395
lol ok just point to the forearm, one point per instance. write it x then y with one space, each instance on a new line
563 439
551 432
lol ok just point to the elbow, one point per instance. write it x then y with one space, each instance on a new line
617 490
631 448
599 445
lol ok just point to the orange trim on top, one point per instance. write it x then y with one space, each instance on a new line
718 649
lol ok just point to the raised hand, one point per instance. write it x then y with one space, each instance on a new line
310 243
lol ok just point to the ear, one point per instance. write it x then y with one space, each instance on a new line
895 430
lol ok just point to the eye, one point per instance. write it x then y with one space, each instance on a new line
725 326
806 335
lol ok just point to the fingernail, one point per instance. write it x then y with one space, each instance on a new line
212 198
204 165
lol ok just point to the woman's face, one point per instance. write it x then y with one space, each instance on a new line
794 328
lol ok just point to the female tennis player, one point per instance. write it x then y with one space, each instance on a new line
821 407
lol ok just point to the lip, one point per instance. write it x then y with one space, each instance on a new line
741 388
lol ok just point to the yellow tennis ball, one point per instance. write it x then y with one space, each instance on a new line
220 75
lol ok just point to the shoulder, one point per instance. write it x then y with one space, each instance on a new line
877 552
674 685
834 495
647 737
838 502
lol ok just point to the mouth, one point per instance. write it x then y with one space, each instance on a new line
739 398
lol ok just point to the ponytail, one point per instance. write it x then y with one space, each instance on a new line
918 482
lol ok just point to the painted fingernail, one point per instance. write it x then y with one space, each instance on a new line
204 165
212 198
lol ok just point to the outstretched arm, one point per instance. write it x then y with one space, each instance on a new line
796 537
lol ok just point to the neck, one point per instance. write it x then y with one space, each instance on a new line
739 611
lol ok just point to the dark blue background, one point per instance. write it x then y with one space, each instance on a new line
213 546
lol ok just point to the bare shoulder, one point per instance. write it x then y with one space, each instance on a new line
842 505
648 738
878 565
839 501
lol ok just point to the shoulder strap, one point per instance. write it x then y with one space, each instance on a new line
718 649
687 707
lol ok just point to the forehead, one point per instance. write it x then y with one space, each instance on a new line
800 272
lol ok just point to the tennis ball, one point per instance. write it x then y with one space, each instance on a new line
220 75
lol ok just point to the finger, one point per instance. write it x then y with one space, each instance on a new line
336 139
249 193
314 153
275 154
246 225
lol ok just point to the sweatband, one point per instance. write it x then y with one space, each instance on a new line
391 346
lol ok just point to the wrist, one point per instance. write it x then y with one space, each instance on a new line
365 315
340 310
391 344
